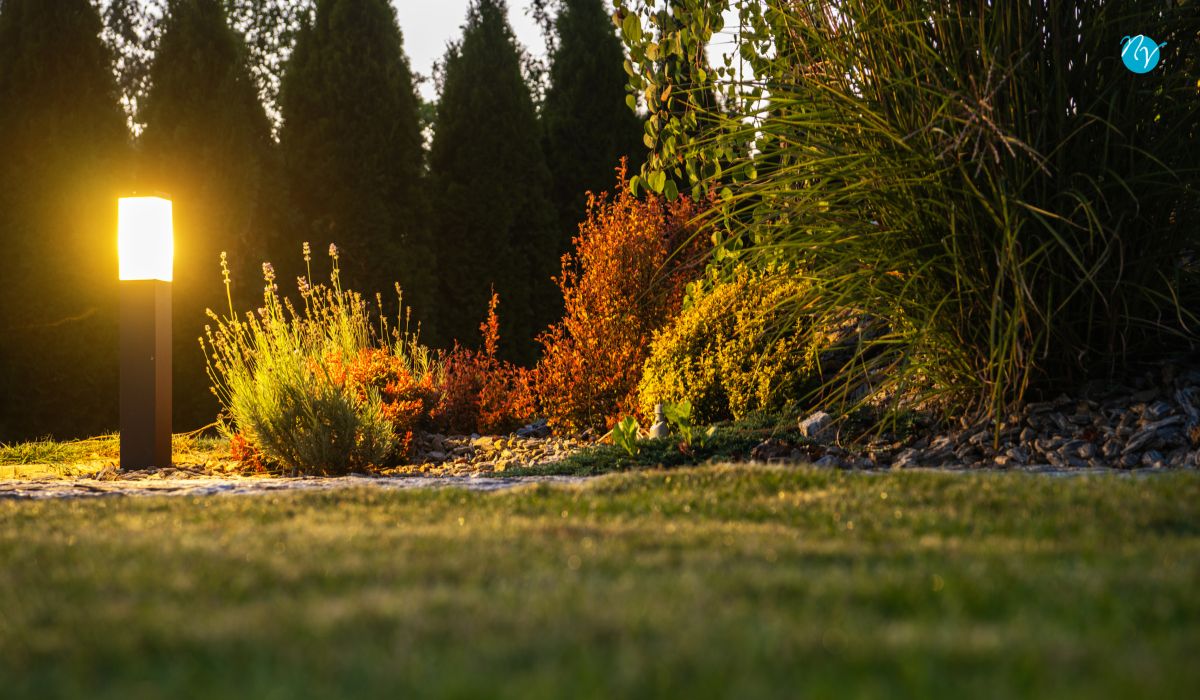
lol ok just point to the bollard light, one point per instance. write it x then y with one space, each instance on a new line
146 252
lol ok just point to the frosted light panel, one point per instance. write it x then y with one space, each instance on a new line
145 238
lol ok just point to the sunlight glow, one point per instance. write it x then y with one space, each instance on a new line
145 238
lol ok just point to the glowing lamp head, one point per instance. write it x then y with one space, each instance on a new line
145 238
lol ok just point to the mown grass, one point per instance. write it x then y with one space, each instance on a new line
712 582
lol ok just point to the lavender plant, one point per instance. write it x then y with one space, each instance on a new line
280 374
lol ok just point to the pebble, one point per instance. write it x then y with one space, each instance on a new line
816 425
830 461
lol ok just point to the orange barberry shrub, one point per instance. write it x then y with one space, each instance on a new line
246 455
405 401
624 280
480 393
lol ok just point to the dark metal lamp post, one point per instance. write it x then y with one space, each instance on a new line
146 248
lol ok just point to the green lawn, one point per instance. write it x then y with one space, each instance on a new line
711 582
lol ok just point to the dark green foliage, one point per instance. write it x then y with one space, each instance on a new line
692 90
587 124
63 150
1001 203
495 220
352 149
268 28
682 100
207 143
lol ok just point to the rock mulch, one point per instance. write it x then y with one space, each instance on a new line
1154 424
445 455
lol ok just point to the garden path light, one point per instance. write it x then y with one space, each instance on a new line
146 250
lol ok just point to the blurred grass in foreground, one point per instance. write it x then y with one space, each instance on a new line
711 582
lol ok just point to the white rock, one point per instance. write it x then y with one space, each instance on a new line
815 426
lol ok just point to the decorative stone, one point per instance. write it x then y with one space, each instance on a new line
815 426
905 460
659 430
1156 411
1153 458
772 449
829 461
537 429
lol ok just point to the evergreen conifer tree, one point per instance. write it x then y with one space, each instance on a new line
207 143
587 124
353 151
63 149
496 225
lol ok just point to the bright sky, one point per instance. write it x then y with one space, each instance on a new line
428 25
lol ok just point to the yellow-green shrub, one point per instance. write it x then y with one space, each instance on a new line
736 349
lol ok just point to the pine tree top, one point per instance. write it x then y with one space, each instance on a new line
353 150
201 85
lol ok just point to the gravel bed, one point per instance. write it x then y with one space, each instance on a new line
1153 424
466 455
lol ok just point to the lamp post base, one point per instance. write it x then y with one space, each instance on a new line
145 374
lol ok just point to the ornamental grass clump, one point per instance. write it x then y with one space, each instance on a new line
319 389
1008 209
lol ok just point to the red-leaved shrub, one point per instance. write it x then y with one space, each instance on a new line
624 280
480 393
405 401
246 455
